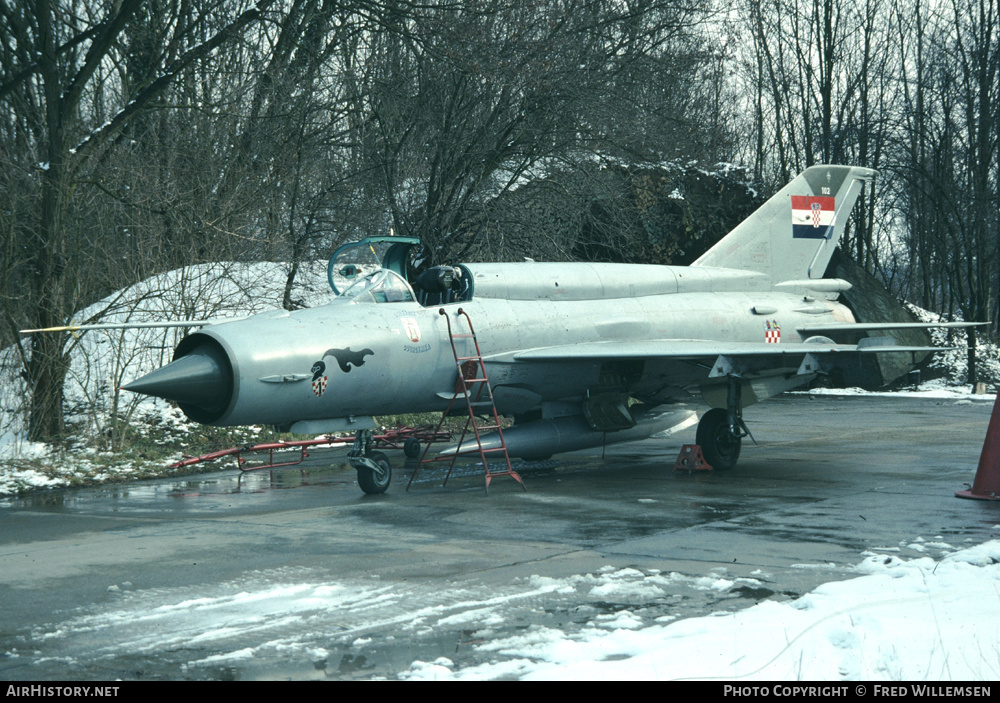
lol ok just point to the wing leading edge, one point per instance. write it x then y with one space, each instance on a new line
134 325
697 349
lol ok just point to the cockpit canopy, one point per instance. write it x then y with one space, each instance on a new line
358 259
356 271
380 286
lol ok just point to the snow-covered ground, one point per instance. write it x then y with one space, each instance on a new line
899 620
954 363
938 389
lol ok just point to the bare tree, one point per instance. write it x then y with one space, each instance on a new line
458 105
952 166
63 112
822 79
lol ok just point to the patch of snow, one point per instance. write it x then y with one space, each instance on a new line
897 620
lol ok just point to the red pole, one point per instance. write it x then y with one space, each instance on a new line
986 485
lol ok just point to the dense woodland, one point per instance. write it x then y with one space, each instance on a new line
138 136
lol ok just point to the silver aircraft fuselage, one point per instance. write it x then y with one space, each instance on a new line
358 356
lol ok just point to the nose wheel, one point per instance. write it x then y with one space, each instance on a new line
375 480
374 470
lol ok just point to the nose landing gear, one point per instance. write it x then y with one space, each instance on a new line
374 470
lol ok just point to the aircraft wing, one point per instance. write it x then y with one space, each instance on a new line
695 349
133 325
682 364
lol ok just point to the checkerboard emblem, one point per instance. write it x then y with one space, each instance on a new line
319 385
772 332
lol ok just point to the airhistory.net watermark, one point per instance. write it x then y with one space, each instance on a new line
39 691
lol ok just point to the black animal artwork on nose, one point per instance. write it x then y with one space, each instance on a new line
346 357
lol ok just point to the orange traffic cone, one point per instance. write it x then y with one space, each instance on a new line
691 459
986 486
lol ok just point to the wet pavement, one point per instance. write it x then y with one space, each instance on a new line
293 574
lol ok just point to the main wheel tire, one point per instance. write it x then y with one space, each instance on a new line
411 448
369 481
720 449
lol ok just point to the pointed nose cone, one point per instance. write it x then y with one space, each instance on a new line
201 381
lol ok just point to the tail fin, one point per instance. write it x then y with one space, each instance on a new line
792 236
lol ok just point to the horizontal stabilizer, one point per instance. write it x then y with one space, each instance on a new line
893 348
870 326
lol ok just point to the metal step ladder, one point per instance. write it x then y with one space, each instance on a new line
473 386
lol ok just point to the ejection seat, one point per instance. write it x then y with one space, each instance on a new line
440 285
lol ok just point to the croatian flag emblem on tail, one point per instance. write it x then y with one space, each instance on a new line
812 216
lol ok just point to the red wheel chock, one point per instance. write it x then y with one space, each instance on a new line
986 485
691 459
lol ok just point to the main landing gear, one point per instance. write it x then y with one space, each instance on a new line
721 431
374 471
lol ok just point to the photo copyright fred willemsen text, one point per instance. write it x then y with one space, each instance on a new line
877 690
